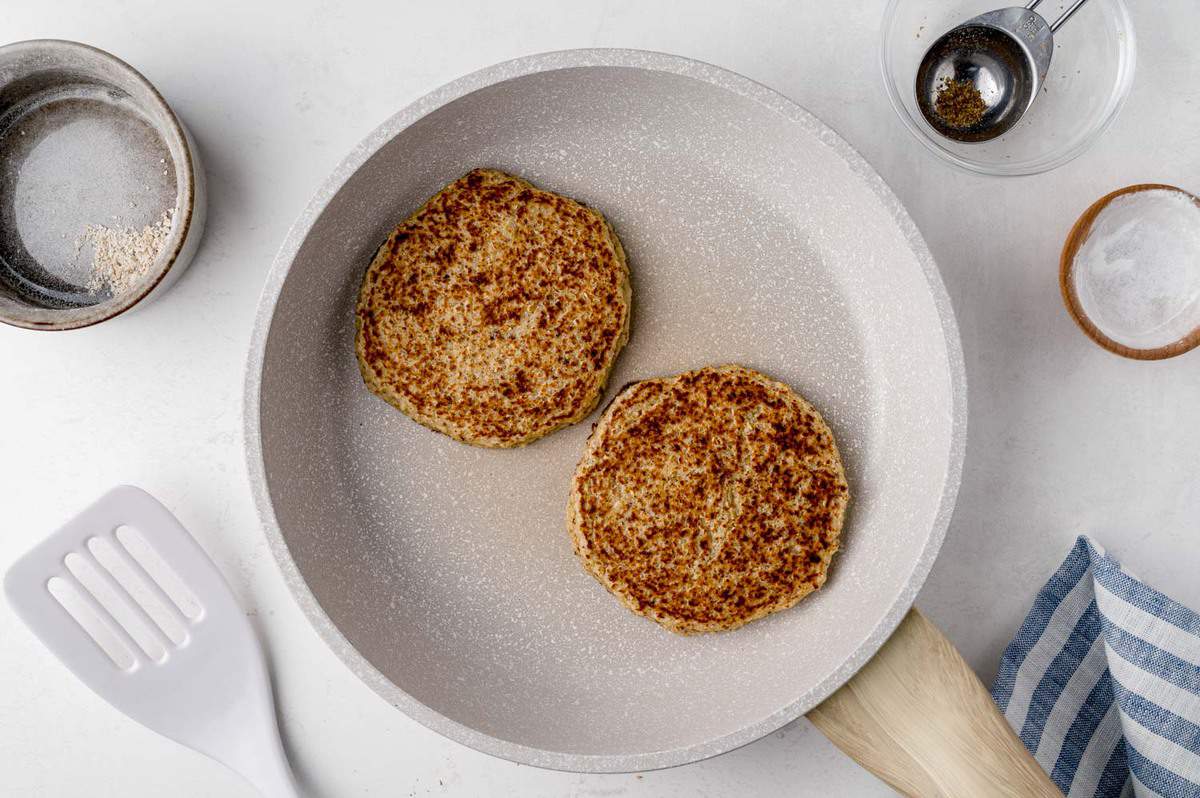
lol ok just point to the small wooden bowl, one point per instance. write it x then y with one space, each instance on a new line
1075 239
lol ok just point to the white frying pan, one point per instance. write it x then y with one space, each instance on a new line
443 575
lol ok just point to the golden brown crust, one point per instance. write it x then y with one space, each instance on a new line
708 499
495 312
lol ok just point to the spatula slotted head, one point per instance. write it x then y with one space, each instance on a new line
133 606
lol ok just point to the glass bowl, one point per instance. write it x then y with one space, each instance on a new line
1089 78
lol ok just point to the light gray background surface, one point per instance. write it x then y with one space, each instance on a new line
1063 436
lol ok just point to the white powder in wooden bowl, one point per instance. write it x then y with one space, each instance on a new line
122 256
1137 274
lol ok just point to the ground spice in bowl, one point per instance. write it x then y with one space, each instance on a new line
121 257
959 103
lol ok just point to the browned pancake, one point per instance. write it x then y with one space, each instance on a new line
708 499
495 312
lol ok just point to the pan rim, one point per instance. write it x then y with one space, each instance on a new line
380 136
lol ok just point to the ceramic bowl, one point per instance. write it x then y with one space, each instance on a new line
87 144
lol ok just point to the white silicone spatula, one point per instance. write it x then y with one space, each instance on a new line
134 607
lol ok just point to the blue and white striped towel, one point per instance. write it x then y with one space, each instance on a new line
1102 683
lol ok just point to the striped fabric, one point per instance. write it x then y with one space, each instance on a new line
1102 683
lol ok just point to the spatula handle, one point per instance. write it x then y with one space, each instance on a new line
256 754
249 743
917 717
273 776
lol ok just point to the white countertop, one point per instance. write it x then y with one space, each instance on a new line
1064 437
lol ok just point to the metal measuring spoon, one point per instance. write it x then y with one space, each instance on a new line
1004 54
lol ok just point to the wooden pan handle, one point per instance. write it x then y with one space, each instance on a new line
917 717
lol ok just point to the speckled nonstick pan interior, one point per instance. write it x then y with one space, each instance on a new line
443 575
